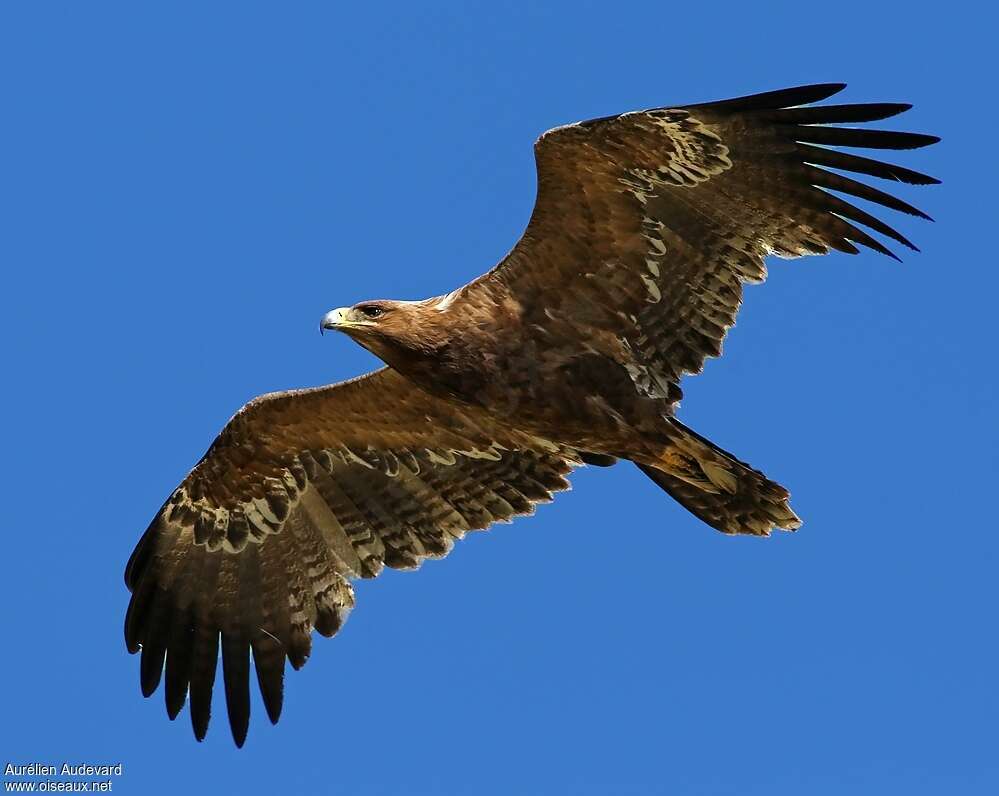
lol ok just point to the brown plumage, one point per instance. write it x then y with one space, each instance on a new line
569 351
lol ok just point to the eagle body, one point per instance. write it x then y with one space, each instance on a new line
526 374
570 351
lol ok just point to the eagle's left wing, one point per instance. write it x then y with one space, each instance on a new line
647 224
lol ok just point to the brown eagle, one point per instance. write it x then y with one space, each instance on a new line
570 351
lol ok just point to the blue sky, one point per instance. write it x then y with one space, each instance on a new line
186 188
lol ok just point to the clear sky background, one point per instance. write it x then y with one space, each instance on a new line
186 188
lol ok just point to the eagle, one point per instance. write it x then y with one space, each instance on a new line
569 352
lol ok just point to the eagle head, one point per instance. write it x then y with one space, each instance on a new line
391 330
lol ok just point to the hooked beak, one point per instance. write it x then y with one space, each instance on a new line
334 319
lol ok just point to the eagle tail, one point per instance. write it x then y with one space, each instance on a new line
717 488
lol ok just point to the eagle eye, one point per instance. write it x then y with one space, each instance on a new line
371 311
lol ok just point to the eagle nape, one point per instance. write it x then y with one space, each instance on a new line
570 352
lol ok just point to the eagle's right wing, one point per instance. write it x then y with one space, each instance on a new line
301 492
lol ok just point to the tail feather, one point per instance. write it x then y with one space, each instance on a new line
732 497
